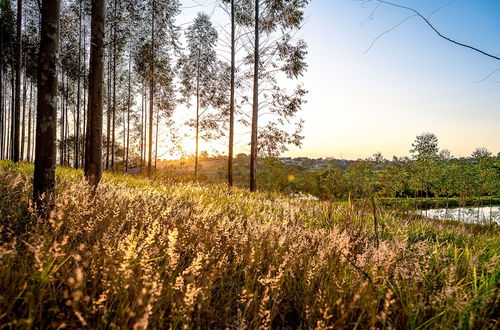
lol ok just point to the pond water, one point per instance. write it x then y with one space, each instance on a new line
485 214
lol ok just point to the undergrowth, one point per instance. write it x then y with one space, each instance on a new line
141 253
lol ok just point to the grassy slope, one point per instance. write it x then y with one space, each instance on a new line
143 252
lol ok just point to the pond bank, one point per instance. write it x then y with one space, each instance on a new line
433 203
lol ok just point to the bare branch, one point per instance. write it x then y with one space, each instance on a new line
437 31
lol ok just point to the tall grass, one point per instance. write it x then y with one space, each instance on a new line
142 254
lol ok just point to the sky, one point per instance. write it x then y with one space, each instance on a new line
409 82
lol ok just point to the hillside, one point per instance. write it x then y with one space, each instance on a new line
144 252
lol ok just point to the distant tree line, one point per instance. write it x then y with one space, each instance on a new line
428 173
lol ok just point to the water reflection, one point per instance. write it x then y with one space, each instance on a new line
485 215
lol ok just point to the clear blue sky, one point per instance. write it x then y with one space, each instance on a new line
411 81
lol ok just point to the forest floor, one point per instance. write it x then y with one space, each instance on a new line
155 253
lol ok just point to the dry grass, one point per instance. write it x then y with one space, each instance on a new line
144 254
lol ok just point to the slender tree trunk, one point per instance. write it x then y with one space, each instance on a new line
108 114
17 106
255 110
156 137
128 115
113 119
2 118
84 126
2 108
28 147
12 110
151 90
93 145
77 130
231 101
61 127
142 127
23 121
197 117
33 132
46 121
66 124
113 141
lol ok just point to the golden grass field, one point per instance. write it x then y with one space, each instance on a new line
152 253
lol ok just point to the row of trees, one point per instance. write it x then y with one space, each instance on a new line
132 73
429 172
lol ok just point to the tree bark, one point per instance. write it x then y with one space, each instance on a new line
151 90
46 122
231 102
17 103
142 126
61 127
2 119
93 146
77 130
84 126
23 122
255 110
128 115
197 117
113 141
2 108
156 137
28 147
108 111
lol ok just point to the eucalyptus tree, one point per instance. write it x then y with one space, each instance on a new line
230 7
45 152
156 44
31 41
93 145
275 55
198 70
7 41
69 69
122 16
16 114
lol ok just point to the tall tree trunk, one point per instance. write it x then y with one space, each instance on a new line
28 146
93 145
128 115
231 101
197 118
33 143
61 123
66 123
12 109
108 111
46 121
113 114
17 107
156 137
151 90
77 130
142 126
2 119
113 141
2 108
84 126
255 110
23 122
